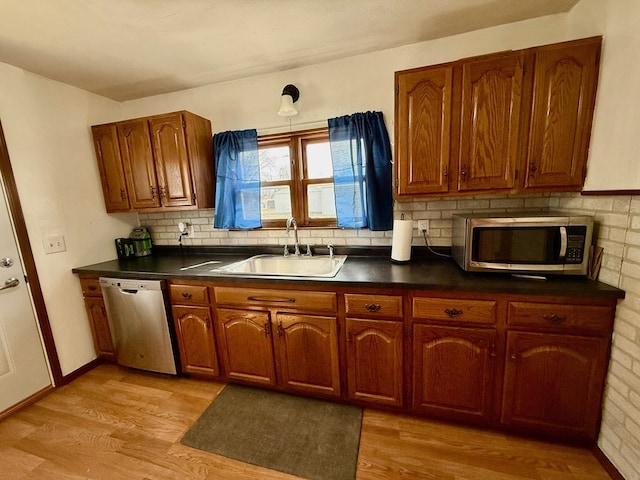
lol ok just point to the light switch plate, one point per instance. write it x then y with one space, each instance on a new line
54 244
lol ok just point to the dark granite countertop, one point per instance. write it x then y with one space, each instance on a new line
363 268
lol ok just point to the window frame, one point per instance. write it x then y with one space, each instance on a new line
296 142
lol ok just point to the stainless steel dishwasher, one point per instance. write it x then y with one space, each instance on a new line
137 314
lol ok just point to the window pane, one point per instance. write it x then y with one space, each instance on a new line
274 164
322 203
275 202
319 160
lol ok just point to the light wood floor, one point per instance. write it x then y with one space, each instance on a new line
114 423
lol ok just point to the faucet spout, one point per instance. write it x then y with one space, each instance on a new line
291 222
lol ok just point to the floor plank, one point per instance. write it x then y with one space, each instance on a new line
115 423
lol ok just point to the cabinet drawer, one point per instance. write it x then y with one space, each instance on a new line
189 294
91 287
376 305
560 317
287 299
454 309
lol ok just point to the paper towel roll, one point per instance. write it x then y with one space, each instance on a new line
401 244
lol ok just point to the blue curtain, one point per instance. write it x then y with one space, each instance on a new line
237 202
362 175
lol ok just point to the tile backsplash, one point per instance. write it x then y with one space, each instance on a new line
436 211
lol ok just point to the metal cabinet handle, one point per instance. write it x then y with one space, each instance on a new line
280 329
92 288
453 312
279 300
554 319
373 307
186 295
10 283
266 329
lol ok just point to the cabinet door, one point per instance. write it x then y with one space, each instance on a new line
374 361
139 166
172 160
564 88
553 383
114 187
453 371
490 120
194 330
423 124
100 330
307 353
246 345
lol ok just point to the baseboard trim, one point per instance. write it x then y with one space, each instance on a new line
606 464
26 402
70 377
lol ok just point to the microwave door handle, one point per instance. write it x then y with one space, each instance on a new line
563 242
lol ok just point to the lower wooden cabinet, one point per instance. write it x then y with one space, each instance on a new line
100 330
307 353
245 345
375 361
194 331
516 362
296 351
553 383
453 372
97 315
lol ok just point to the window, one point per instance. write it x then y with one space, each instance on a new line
296 179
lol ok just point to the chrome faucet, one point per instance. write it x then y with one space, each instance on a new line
292 222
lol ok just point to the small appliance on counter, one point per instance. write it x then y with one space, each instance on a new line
125 248
526 243
141 241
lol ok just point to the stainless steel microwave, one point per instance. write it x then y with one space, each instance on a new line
525 243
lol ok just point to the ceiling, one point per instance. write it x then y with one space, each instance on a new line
127 49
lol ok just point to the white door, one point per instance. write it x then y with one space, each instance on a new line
23 365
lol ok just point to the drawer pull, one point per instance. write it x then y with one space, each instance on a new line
186 295
92 288
453 312
279 300
554 319
373 307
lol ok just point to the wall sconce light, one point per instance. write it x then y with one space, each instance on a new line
290 95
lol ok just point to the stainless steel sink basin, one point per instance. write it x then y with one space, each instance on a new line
299 266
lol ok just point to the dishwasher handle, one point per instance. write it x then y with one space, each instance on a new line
128 291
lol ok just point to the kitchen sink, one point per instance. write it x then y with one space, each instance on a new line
275 265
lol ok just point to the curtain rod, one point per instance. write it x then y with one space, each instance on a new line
291 127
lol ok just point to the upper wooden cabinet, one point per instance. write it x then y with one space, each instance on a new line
502 123
489 122
423 124
159 162
564 93
114 185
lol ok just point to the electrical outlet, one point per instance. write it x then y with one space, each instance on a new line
423 226
53 244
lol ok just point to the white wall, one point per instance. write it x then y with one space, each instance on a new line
341 87
615 141
46 125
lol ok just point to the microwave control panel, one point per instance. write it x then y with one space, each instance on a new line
575 244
